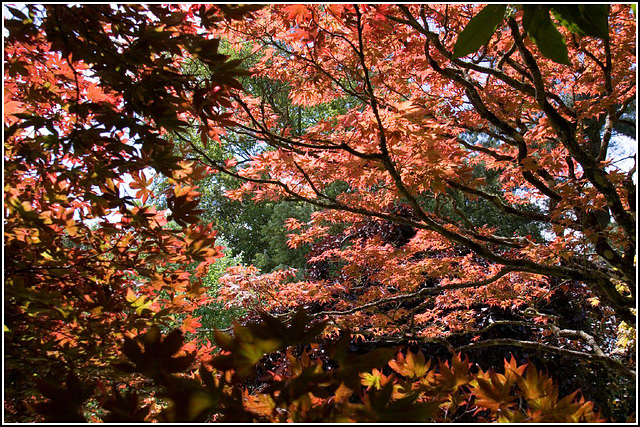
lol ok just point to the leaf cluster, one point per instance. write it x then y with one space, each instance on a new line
320 382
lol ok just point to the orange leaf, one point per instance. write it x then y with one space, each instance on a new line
413 366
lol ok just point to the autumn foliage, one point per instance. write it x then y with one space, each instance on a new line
462 162
310 384
85 262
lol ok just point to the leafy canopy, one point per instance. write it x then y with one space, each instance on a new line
458 203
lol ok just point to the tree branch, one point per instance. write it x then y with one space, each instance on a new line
588 357
421 293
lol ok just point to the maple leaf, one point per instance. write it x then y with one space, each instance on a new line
374 379
454 376
139 303
153 355
261 404
11 108
190 324
142 184
512 371
412 366
494 392
423 180
537 388
341 394
297 12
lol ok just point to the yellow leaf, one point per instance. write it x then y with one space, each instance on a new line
372 379
262 404
342 394
411 365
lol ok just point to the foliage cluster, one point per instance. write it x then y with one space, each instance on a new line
311 382
446 175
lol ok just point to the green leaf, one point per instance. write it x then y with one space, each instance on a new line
543 32
479 30
584 19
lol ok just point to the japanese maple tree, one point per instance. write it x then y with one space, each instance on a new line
425 132
435 127
90 94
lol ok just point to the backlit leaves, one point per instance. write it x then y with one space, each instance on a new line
455 375
142 184
183 202
374 379
139 303
250 344
411 366
92 92
306 391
